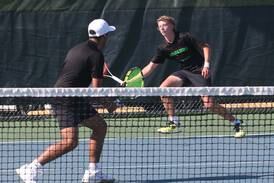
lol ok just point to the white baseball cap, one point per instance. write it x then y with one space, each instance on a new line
99 27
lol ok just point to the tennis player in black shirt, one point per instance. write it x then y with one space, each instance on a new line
83 67
193 57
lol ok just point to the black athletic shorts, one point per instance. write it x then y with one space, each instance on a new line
71 111
191 79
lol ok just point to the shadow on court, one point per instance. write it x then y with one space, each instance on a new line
217 178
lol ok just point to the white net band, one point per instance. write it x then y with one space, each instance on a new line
133 92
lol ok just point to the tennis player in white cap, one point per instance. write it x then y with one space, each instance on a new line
83 67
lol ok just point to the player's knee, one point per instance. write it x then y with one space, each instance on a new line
69 144
99 130
208 104
100 125
95 123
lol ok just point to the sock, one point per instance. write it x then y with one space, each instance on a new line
174 119
36 164
92 167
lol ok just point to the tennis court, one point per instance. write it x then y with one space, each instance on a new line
204 151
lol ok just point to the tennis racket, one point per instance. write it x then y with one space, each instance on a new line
108 74
131 73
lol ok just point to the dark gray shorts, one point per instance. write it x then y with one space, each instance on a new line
72 111
191 79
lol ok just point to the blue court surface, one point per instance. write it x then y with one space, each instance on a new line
154 160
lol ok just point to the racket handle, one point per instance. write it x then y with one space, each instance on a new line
117 79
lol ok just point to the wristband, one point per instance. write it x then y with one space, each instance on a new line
206 64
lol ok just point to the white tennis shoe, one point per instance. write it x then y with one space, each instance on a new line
28 173
96 177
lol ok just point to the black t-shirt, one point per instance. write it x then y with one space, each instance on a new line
185 50
82 63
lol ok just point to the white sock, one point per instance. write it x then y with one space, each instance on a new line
174 119
92 167
36 164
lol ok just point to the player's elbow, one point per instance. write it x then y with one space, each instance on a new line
149 69
205 45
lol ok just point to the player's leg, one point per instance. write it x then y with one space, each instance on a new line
67 118
94 172
99 127
199 80
69 140
174 123
216 108
220 110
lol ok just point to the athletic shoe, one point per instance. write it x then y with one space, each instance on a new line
170 128
96 177
28 173
239 133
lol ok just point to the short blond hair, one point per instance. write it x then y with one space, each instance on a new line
166 18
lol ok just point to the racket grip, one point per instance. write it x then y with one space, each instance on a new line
117 79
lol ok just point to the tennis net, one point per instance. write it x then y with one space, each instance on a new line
202 149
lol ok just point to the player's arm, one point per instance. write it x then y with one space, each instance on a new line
207 54
148 69
203 48
108 103
96 82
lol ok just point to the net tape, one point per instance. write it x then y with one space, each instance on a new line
133 92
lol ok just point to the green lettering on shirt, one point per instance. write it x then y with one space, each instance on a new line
179 51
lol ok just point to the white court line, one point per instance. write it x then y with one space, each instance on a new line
112 139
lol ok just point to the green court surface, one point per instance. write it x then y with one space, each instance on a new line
138 127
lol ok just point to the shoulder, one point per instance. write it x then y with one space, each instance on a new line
78 48
190 39
162 49
161 46
186 35
80 45
84 51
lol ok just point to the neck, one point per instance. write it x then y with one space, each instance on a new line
170 38
97 42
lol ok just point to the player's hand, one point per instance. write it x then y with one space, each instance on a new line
205 72
123 84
